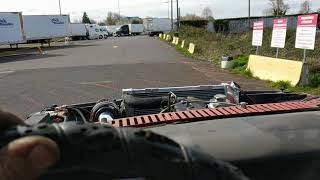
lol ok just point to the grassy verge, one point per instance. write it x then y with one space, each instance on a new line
240 67
210 46
286 86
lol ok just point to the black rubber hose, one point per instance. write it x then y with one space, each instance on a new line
122 153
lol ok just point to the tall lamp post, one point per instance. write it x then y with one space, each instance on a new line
249 14
119 8
178 15
60 6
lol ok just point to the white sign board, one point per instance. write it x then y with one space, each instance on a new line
279 33
11 30
257 35
306 31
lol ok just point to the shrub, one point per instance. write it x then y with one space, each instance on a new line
281 85
315 79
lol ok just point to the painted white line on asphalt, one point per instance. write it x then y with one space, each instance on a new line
93 83
6 72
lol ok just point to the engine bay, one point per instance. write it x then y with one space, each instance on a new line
137 102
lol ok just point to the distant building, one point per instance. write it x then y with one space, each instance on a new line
241 24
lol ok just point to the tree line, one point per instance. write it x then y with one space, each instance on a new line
275 8
111 19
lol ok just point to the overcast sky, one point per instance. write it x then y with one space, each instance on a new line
97 9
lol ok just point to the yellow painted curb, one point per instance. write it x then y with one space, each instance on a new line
182 44
160 36
174 40
177 41
191 48
168 38
273 69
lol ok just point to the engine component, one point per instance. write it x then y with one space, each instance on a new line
219 100
105 111
132 105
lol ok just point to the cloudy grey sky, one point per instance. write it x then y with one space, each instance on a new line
97 9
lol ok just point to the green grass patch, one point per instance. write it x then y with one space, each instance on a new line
315 80
285 85
184 51
240 66
281 85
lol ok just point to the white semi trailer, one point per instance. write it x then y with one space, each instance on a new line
11 28
79 31
44 28
156 26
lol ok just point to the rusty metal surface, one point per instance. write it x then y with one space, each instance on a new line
218 113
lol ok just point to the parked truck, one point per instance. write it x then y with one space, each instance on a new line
156 26
130 30
94 31
79 31
44 28
104 32
11 28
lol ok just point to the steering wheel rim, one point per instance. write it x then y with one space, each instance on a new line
102 150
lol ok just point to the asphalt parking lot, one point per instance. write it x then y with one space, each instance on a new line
91 70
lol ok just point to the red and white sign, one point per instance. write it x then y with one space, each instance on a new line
279 33
306 31
257 35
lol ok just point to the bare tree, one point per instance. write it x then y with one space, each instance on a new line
112 18
277 8
207 12
191 17
305 7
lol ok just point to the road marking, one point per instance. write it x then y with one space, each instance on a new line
6 72
94 83
115 47
108 86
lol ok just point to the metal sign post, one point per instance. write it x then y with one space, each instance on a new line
257 50
277 54
304 55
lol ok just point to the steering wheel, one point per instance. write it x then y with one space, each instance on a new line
104 152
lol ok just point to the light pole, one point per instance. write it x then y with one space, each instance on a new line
171 14
168 2
60 6
119 9
178 18
249 14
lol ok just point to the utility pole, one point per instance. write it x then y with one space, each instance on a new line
168 2
171 14
60 6
249 14
119 10
178 18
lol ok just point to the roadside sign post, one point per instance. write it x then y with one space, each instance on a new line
257 35
279 34
306 33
